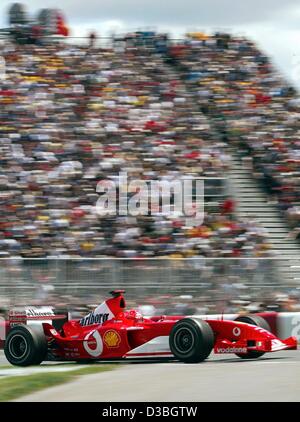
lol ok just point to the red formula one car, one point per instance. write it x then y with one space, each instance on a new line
111 332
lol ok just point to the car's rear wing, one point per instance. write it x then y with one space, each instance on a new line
31 315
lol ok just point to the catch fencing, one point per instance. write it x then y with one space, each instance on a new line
24 281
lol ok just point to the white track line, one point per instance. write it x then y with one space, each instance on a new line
14 372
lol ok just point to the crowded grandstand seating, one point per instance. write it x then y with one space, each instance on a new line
252 106
72 116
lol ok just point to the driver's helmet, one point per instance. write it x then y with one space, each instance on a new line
133 314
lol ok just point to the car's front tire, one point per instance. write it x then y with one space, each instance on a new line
191 340
25 345
259 322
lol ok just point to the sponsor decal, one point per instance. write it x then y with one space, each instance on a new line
236 331
93 344
98 316
19 314
94 319
71 349
232 350
34 312
73 355
111 338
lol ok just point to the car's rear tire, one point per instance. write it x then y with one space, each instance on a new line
25 345
259 322
191 340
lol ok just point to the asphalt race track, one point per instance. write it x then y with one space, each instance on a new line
274 377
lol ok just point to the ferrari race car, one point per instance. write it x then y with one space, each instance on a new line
111 332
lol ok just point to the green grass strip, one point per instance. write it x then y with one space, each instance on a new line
17 386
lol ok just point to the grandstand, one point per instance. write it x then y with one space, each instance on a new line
73 116
207 107
256 112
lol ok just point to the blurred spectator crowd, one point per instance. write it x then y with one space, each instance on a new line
71 116
252 106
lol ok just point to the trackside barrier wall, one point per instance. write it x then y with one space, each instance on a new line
288 324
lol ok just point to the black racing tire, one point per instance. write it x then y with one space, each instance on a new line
191 340
25 345
259 322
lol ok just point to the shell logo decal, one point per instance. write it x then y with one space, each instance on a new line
111 338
